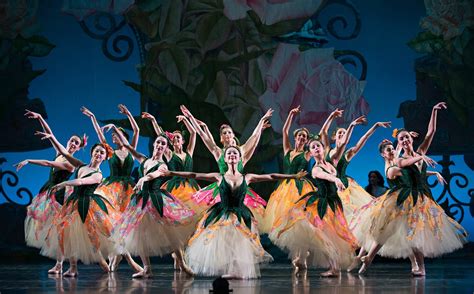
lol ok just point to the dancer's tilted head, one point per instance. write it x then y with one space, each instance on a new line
227 134
232 155
316 147
74 143
301 136
386 149
116 139
338 134
99 153
160 145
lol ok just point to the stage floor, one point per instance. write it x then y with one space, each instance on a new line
443 276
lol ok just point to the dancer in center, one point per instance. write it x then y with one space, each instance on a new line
316 223
226 242
207 195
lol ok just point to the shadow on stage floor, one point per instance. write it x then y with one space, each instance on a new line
443 276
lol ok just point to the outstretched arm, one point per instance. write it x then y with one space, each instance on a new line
192 134
210 177
49 163
319 173
439 177
339 151
286 129
90 180
254 178
44 124
133 123
323 133
249 147
97 129
72 160
423 148
354 150
404 162
152 119
208 141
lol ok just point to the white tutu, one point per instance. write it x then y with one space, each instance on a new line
424 227
226 247
143 232
352 198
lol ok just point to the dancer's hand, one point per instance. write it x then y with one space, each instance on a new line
180 118
339 184
124 110
441 179
359 121
31 114
58 187
44 135
413 134
295 110
337 113
139 186
21 164
439 106
87 112
267 114
429 161
384 124
185 111
108 127
301 174
146 115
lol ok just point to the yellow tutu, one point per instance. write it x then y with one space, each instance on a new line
281 201
353 198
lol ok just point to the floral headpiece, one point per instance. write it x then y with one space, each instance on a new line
108 150
84 140
169 135
395 132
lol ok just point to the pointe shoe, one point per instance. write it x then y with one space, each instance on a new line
144 274
115 264
175 262
104 266
365 264
56 270
71 273
355 263
329 274
184 268
136 267
418 273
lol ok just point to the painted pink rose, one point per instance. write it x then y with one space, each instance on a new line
271 11
83 8
314 80
448 17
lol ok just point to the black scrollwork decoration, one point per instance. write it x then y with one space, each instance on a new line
338 20
351 57
22 194
450 203
104 26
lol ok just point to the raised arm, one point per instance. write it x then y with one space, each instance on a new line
136 130
48 163
192 134
423 148
354 150
249 147
254 178
156 127
323 133
72 160
44 124
137 155
286 129
340 148
97 129
404 162
208 141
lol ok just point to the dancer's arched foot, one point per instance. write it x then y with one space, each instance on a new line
144 274
57 269
366 261
116 261
71 273
105 267
355 263
175 261
330 273
418 273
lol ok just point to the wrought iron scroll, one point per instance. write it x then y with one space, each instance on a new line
103 26
334 21
454 207
11 180
350 57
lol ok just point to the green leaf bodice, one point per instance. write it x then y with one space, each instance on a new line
298 163
341 168
83 194
325 193
232 202
56 176
177 164
152 189
120 172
